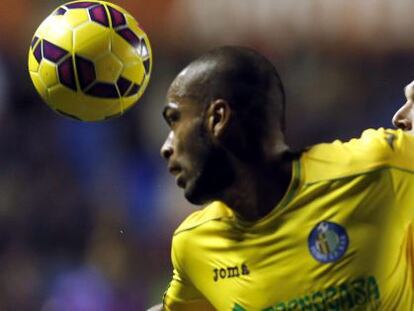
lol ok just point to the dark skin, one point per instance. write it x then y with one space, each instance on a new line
213 151
253 185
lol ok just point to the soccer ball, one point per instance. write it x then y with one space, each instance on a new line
90 60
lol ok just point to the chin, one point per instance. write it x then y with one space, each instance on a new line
195 196
195 200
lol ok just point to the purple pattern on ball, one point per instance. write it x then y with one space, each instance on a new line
34 41
53 52
38 52
118 19
60 11
147 65
67 74
134 90
80 5
103 90
129 36
86 71
123 85
98 14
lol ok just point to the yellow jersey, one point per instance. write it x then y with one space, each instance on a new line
340 239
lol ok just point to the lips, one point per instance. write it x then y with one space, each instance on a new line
174 170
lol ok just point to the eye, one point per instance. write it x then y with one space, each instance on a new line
172 117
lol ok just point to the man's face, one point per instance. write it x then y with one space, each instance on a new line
192 158
404 117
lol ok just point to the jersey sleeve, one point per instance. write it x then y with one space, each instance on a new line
181 294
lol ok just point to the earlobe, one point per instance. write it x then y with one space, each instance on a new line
218 117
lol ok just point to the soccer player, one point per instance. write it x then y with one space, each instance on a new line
329 228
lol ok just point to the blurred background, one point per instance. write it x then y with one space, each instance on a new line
87 210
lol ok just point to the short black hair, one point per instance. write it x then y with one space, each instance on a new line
243 77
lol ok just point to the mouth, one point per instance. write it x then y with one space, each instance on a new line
174 170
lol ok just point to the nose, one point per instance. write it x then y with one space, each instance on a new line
167 148
402 118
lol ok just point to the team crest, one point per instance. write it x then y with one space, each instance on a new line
328 242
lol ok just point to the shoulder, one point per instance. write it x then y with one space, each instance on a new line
215 211
374 149
199 230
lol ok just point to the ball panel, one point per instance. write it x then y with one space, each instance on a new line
100 112
134 72
80 4
123 85
122 49
52 52
103 90
134 26
37 53
75 18
80 105
128 102
134 90
146 64
33 63
39 86
108 68
116 7
66 74
86 71
117 18
98 15
60 11
48 74
129 36
55 29
142 49
34 41
91 40
65 100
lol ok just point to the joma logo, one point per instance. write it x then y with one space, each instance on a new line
230 272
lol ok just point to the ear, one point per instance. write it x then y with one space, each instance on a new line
218 117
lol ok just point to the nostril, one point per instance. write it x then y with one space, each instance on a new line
403 124
166 153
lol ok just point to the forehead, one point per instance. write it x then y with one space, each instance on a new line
180 93
179 87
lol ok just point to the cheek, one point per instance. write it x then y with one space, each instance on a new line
191 146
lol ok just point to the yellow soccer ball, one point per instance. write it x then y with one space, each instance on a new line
90 60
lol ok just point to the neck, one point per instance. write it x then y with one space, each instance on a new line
258 189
